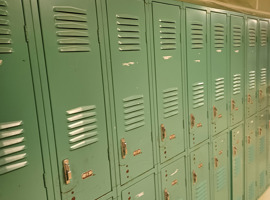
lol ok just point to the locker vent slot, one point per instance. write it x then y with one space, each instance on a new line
221 178
128 28
71 29
262 144
236 84
12 147
252 80
236 166
251 154
219 36
201 191
262 179
263 76
219 89
170 102
167 34
263 37
251 191
198 94
5 32
197 35
237 36
82 126
134 112
252 37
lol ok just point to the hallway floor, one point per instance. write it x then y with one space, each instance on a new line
266 195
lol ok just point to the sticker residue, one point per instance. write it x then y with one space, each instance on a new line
128 64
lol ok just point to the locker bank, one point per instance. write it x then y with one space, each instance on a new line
133 99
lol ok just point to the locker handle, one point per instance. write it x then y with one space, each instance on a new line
195 177
234 151
233 104
260 131
163 132
67 171
215 111
123 148
166 194
249 140
192 120
260 94
249 99
216 162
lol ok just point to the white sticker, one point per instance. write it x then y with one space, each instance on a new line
128 64
167 57
175 172
139 195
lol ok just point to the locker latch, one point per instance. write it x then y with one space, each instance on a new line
67 171
249 140
233 104
163 132
216 162
249 99
260 131
215 111
166 194
234 151
192 120
260 94
123 148
195 178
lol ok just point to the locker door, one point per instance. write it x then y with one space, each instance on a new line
237 163
174 181
268 146
251 66
197 77
143 190
76 92
237 68
131 89
21 168
200 173
261 162
221 171
166 20
219 71
250 158
263 65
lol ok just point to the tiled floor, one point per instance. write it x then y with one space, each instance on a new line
266 195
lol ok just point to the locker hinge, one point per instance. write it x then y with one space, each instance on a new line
26 33
44 180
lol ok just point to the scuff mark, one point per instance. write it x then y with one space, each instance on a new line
128 64
174 172
167 57
140 195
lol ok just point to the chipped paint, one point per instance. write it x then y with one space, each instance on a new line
128 64
197 61
236 51
140 195
167 57
174 172
1 62
219 50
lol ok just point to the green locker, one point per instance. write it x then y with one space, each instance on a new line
166 22
21 167
173 178
199 170
143 190
250 158
219 98
221 171
196 28
129 60
251 66
263 64
237 66
268 145
237 156
74 72
261 155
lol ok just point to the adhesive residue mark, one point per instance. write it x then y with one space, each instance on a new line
236 51
140 195
167 57
219 50
197 61
128 64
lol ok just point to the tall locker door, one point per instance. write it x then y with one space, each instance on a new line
237 69
143 190
250 158
74 72
261 152
199 163
251 66
268 145
173 179
237 163
131 86
166 20
221 171
263 65
219 67
196 28
21 168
